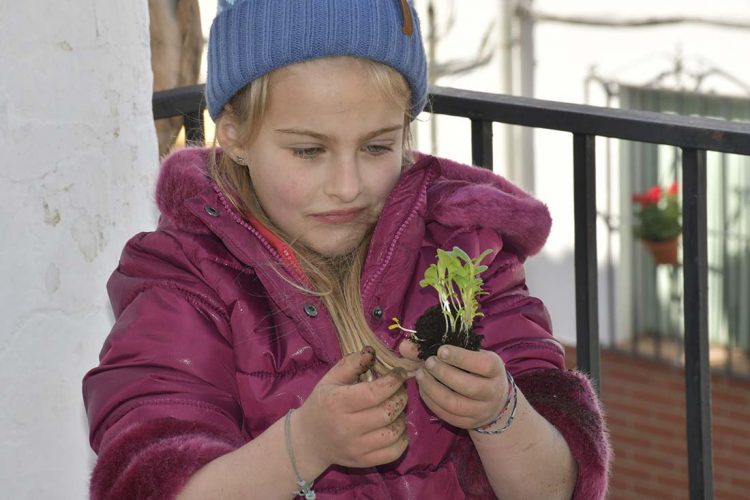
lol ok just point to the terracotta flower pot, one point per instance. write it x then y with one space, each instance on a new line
664 252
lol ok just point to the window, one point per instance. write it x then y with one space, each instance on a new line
650 296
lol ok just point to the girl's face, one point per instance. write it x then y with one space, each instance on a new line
327 154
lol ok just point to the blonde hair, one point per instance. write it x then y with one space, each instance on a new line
336 280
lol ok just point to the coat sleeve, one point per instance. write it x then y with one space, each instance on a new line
567 400
162 402
517 327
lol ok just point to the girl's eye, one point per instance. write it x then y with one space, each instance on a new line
307 153
377 149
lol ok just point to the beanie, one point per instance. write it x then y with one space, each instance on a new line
250 38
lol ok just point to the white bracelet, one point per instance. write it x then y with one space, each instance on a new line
305 487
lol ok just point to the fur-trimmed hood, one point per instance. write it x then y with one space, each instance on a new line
459 196
183 175
475 196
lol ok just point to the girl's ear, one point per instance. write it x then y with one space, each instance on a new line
227 133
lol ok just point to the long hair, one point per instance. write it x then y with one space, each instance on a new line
336 280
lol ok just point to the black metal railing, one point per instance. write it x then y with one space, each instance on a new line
693 135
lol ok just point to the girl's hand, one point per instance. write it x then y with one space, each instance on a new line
351 423
466 389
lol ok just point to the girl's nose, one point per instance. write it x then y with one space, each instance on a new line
344 182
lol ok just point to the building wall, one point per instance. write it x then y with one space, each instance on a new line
645 405
79 160
565 54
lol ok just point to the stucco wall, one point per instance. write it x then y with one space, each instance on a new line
564 56
78 164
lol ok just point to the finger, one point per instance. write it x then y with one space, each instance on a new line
392 450
449 400
464 383
445 415
483 363
409 350
383 436
350 367
383 414
367 395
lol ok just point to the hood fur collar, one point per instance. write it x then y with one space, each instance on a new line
465 195
183 175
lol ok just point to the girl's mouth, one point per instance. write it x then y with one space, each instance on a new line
339 216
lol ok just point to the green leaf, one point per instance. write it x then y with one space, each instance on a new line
458 252
431 274
481 257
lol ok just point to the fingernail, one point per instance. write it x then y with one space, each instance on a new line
365 363
444 353
430 363
420 374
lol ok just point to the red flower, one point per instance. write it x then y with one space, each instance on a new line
658 213
650 197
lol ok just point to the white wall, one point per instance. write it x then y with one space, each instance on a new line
564 56
78 164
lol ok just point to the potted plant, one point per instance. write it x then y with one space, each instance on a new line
455 278
659 226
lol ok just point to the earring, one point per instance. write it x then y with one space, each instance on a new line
240 160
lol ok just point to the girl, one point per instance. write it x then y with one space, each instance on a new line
251 357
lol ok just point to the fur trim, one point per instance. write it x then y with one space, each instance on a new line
474 194
155 459
182 176
568 401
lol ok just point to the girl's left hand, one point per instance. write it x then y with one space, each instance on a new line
466 389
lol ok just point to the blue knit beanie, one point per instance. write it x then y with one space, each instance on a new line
250 38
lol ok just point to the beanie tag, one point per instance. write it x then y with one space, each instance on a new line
408 27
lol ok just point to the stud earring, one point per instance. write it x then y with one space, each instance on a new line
240 160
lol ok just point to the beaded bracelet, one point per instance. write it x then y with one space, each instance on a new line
512 394
305 487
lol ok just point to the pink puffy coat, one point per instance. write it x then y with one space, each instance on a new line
211 345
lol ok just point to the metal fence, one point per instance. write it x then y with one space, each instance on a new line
693 135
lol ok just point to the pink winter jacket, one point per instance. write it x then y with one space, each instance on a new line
211 345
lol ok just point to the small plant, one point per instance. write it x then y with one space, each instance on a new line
658 214
455 277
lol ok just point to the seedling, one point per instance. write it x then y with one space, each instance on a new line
455 277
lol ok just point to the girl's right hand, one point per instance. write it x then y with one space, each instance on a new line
351 423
